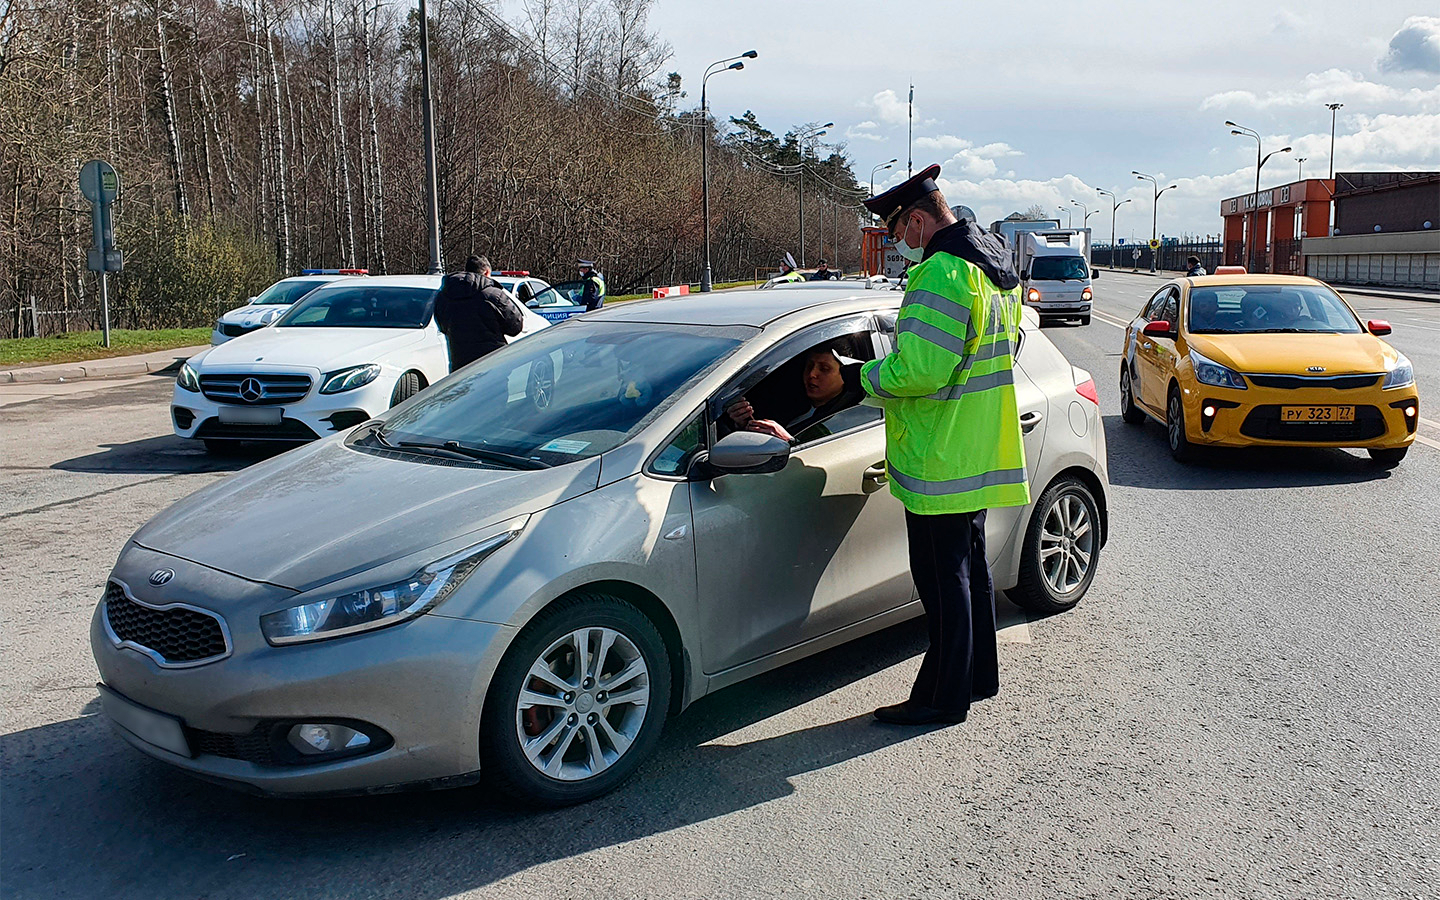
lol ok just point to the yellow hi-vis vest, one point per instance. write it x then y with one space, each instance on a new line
952 430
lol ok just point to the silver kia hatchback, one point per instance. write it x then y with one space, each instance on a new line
523 571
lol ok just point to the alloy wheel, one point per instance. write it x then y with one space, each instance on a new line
582 704
541 384
1067 543
1175 422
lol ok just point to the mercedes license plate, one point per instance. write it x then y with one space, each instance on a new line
1305 415
149 726
250 415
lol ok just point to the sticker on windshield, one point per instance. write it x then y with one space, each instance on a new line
571 447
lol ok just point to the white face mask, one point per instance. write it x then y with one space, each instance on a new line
913 254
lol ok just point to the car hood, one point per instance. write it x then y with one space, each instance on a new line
326 511
1293 354
254 314
319 348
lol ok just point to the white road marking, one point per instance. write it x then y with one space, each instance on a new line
1108 319
1422 439
1431 422
1011 626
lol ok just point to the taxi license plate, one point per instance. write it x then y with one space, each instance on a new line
149 726
1306 415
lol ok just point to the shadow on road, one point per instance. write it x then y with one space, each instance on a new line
169 455
86 816
1139 456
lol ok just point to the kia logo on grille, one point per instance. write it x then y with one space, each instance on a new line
161 576
1316 369
250 390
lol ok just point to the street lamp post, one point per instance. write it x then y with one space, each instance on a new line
1069 220
1116 205
1300 175
733 63
1332 107
1083 208
432 201
1154 212
880 168
801 139
1260 162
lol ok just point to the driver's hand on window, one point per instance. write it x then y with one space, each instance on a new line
740 412
770 427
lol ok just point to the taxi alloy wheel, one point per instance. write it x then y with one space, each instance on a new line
1180 446
1132 414
577 703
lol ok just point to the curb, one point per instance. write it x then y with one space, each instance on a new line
96 368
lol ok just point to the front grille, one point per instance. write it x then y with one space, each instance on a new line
1298 382
236 330
254 746
287 430
179 636
255 389
1264 422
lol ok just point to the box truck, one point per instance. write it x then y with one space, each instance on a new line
1055 273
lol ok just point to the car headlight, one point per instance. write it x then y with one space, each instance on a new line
1207 371
1086 294
385 605
349 379
188 379
1403 375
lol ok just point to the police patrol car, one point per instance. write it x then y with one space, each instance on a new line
271 303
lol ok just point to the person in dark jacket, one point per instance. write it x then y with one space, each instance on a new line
824 273
474 313
1193 267
592 295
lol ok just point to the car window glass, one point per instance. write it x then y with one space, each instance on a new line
288 291
675 457
1170 309
1152 308
362 306
1262 308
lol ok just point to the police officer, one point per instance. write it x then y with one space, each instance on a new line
474 313
787 271
592 295
953 446
823 273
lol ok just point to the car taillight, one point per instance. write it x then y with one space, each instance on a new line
1087 390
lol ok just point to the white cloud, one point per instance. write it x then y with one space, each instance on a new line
1331 86
1414 48
890 107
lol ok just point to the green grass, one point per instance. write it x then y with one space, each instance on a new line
83 345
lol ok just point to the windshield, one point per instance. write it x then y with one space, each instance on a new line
1270 308
566 293
362 306
1059 268
288 291
564 393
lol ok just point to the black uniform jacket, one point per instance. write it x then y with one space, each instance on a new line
475 314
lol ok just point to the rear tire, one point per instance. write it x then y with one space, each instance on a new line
583 730
407 387
1180 446
1388 458
1132 414
1061 551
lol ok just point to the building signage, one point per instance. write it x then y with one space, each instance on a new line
1280 196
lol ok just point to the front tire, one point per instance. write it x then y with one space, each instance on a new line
407 387
1062 548
577 704
1132 414
1180 446
1387 458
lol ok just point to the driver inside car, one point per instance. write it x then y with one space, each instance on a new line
831 384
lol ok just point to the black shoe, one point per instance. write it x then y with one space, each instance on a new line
909 713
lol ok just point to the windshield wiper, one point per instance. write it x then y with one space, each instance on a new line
457 450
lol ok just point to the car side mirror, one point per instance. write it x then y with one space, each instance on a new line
1094 273
1378 327
532 304
1157 328
746 453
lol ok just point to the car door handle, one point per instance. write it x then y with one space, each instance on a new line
877 473
1147 345
1030 420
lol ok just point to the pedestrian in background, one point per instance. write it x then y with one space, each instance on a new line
823 272
474 313
952 435
1194 267
592 295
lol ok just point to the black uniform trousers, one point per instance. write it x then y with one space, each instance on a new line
947 561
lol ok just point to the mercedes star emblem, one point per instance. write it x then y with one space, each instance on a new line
250 390
161 576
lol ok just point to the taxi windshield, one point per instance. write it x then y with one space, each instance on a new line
287 291
565 393
1270 309
362 306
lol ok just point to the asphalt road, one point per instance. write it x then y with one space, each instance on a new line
1243 706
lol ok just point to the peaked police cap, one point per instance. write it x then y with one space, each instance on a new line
890 204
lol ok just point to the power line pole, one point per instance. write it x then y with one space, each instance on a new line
910 136
432 201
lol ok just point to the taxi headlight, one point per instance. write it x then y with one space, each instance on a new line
1208 371
188 379
349 379
1403 375
383 605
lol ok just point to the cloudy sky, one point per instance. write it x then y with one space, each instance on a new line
1043 102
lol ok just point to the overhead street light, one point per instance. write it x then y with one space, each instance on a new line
801 138
880 168
1069 218
733 64
1332 107
1086 210
1116 205
1154 211
1260 162
1300 175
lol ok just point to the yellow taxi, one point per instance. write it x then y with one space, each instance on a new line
1239 360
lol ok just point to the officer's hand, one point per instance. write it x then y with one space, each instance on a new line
740 412
770 427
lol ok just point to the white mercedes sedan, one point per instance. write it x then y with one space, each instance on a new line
344 353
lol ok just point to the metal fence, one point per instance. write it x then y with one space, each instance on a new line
1169 258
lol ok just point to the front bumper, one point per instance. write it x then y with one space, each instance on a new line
420 684
1251 418
193 415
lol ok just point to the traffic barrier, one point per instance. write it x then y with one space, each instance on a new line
674 290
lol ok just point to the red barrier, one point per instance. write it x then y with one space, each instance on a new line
675 290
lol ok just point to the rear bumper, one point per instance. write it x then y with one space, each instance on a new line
1252 418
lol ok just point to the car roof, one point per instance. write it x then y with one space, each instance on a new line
1222 280
411 281
752 307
